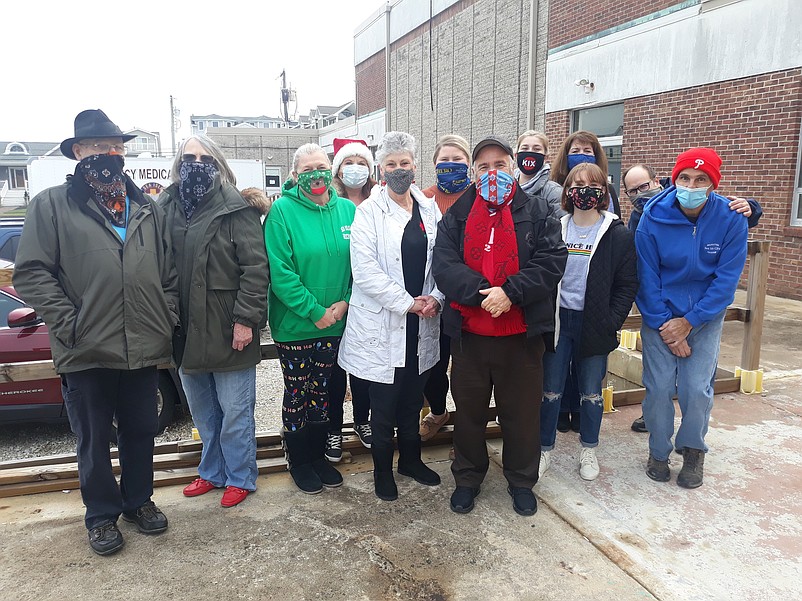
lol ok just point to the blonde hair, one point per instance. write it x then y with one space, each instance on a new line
455 141
544 139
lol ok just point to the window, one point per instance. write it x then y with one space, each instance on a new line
201 124
7 305
796 201
607 122
15 148
272 177
17 177
215 124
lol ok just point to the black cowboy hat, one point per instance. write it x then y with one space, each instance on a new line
92 123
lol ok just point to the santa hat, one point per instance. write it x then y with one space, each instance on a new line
345 147
703 159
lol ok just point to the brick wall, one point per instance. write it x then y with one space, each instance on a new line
754 124
571 20
370 84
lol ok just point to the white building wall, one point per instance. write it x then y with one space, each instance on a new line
688 48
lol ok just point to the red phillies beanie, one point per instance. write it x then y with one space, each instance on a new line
703 159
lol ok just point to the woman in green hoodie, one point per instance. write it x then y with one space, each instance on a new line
307 235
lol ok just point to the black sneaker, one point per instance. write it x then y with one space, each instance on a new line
692 472
106 539
365 434
523 500
576 418
658 470
462 499
334 447
639 425
148 519
564 422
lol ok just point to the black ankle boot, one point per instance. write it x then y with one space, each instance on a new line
329 476
383 481
693 467
410 463
296 447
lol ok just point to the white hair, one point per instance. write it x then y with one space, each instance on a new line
209 145
306 150
395 142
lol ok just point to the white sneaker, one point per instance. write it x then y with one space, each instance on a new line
544 463
588 464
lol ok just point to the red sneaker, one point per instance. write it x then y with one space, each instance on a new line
233 496
198 487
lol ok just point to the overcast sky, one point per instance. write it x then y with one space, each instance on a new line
127 58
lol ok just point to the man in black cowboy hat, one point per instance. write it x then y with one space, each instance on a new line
96 263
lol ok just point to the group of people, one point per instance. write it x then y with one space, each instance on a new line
515 272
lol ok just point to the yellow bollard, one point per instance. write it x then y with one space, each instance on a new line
629 339
607 399
751 380
195 434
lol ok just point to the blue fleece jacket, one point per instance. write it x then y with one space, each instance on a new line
688 269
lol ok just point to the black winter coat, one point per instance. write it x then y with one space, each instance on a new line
541 255
611 287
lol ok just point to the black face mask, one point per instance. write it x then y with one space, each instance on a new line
103 175
530 162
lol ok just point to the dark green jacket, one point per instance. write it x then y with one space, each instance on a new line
223 277
107 304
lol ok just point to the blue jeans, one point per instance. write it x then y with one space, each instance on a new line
589 375
222 405
690 378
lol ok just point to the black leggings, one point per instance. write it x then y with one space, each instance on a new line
360 399
306 366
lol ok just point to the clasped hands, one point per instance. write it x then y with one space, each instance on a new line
496 301
332 315
425 306
674 333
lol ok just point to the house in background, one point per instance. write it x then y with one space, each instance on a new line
146 142
14 160
202 123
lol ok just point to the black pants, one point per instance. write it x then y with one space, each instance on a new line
437 386
511 369
93 397
360 399
397 405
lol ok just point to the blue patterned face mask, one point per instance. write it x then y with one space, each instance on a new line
577 159
452 177
496 187
691 198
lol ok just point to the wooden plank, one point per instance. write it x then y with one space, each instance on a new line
734 313
756 303
5 277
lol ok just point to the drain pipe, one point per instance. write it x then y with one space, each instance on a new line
387 101
534 9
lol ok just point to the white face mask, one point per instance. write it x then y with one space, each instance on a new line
355 176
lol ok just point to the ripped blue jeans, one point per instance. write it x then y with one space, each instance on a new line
590 373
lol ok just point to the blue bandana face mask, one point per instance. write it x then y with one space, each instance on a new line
576 159
691 198
452 177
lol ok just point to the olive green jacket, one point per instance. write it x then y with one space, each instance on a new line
222 271
107 303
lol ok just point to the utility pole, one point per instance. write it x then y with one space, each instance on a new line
285 96
172 125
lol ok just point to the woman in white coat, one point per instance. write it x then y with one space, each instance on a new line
391 337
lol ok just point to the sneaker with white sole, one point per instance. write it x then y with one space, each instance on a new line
588 464
365 434
545 459
334 447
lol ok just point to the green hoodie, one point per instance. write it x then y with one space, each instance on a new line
308 248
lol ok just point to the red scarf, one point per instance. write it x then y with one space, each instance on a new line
491 248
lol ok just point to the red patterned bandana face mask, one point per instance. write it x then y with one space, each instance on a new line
103 173
496 187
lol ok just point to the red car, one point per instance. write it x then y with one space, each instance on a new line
24 337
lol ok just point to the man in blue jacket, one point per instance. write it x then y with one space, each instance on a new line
691 252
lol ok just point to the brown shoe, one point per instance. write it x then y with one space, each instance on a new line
431 425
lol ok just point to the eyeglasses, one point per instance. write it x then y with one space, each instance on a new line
106 148
193 158
638 189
